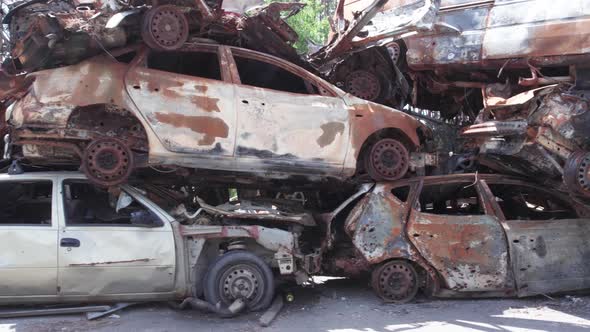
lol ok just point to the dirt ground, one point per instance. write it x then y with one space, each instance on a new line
341 305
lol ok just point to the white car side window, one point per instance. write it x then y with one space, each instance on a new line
26 203
87 205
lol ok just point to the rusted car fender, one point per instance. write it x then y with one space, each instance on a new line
376 229
371 120
376 226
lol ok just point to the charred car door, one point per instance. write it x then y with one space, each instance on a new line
111 245
186 99
548 241
28 233
463 241
286 116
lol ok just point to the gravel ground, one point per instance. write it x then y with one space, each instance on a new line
340 305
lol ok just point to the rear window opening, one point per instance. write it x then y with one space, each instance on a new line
26 203
528 203
450 199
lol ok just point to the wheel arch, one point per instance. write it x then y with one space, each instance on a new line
430 280
390 132
103 117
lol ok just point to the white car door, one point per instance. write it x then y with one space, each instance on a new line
28 238
105 252
187 101
285 118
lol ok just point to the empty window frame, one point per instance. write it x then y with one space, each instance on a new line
200 64
529 203
450 199
87 205
401 193
27 203
265 75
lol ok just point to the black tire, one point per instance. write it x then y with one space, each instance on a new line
254 272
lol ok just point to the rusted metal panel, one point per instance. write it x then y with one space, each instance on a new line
540 129
258 211
548 28
549 256
187 113
469 252
270 238
448 47
377 227
291 127
368 118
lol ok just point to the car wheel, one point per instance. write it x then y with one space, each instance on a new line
165 28
240 274
107 162
387 160
395 281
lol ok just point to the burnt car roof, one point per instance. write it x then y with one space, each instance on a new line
438 179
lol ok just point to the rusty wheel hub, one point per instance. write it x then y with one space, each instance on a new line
388 160
576 173
363 84
241 282
395 281
395 51
108 162
165 27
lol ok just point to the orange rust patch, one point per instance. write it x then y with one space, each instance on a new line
170 93
201 88
205 103
330 130
210 127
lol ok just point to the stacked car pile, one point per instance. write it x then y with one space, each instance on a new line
247 161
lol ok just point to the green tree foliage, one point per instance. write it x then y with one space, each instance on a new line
311 23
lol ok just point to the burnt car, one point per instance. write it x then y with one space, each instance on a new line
520 80
470 235
542 133
206 106
41 35
452 55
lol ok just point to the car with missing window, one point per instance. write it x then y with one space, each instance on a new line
209 107
470 235
63 239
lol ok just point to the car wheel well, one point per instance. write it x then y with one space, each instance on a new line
393 133
101 119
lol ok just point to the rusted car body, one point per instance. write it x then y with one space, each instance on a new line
111 116
482 63
65 240
447 51
540 133
470 235
42 35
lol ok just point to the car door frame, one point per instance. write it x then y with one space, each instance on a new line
325 90
22 280
450 273
66 295
528 252
214 158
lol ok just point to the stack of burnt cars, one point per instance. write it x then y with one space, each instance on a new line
213 122
519 82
